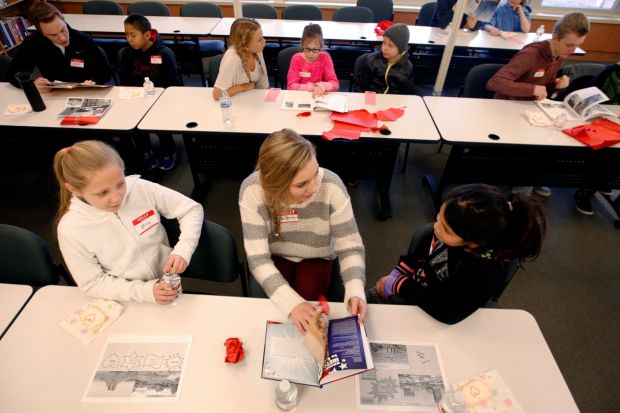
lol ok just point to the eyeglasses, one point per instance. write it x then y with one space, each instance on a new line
308 50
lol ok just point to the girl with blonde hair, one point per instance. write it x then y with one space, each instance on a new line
243 66
109 228
297 219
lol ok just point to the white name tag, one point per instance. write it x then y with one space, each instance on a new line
305 74
145 222
539 73
289 216
77 63
155 60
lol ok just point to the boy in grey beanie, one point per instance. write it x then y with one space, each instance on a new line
387 70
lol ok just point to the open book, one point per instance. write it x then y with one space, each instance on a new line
84 111
328 352
57 84
294 100
580 105
471 7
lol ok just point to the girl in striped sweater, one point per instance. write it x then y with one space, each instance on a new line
297 219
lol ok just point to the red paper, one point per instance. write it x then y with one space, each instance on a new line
234 350
303 114
599 134
359 117
343 131
389 114
80 120
272 95
382 26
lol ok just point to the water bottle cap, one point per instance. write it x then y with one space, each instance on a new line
146 79
285 386
459 397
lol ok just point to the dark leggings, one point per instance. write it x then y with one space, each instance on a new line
310 278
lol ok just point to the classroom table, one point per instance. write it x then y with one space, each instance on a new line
42 130
46 369
214 146
492 141
14 297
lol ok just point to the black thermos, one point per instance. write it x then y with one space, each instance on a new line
26 80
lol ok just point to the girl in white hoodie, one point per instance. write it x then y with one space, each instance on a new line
109 228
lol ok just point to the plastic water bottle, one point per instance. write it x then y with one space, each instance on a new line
286 395
174 281
226 107
540 31
149 87
452 402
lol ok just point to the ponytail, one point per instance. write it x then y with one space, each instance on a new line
512 225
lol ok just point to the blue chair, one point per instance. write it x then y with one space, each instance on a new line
259 11
353 14
381 9
426 14
306 12
148 8
102 7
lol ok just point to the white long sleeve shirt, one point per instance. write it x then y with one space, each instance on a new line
120 256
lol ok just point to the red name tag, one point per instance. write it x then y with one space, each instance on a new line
77 63
144 222
156 60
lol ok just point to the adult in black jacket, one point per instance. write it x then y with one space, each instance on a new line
444 13
58 51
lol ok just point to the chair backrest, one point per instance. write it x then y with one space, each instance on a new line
214 68
259 11
353 14
5 62
306 12
200 9
381 9
357 67
148 8
25 258
580 74
426 14
477 78
284 62
215 257
102 7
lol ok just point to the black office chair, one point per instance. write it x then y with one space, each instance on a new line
215 257
214 68
5 62
426 14
148 8
581 74
259 11
25 259
335 290
381 9
102 7
424 233
284 62
203 9
353 14
306 12
477 78
357 67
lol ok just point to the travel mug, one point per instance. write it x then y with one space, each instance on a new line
26 80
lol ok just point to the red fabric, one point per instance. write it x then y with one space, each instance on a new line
389 114
344 130
234 350
359 117
599 134
382 26
309 277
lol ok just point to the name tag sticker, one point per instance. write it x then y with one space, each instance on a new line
156 60
77 63
539 73
304 74
291 215
144 222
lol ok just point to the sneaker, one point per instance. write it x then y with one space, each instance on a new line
583 203
543 191
167 162
150 160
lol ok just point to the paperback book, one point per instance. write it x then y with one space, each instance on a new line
294 100
581 105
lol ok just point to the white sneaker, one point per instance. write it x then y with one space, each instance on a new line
543 191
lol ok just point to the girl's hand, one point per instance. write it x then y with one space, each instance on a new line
318 91
471 22
88 82
247 86
302 315
493 30
175 264
357 306
164 294
379 286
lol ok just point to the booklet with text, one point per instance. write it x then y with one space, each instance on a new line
580 105
329 351
294 100
84 110
57 84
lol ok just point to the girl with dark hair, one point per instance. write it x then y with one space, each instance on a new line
461 263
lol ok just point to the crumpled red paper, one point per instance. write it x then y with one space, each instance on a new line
390 114
351 124
234 350
359 117
382 26
599 134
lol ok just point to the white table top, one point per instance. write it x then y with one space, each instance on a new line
167 25
14 296
251 114
44 368
466 120
122 115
